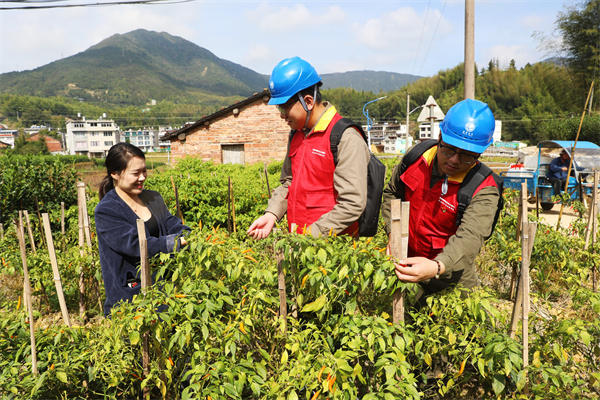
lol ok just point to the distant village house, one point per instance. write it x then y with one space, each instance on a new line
246 132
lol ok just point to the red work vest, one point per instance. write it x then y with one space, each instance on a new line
432 215
311 192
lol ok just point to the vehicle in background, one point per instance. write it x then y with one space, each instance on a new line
534 168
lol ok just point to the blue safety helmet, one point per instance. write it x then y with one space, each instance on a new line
289 77
469 125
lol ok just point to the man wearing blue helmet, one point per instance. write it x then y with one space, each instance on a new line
445 238
322 194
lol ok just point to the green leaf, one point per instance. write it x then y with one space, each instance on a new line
315 305
322 256
134 337
62 376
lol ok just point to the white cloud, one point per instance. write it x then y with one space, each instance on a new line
402 28
286 19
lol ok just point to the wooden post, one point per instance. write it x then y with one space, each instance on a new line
84 212
232 207
521 218
27 287
399 248
146 283
267 179
30 232
519 295
593 213
55 271
529 230
229 224
1 231
562 204
80 220
62 217
282 292
179 213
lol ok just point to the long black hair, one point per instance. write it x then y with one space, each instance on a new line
116 161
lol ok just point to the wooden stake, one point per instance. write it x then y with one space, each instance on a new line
30 232
1 231
229 224
562 204
80 217
519 295
267 179
55 271
529 229
521 217
81 200
179 213
282 292
62 217
146 283
27 287
399 249
593 212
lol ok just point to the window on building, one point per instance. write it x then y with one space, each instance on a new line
94 143
108 143
232 154
110 134
80 145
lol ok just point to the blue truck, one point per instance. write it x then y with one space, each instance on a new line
533 171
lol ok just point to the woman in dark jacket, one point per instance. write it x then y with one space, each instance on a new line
123 200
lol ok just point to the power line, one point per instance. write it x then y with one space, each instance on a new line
34 4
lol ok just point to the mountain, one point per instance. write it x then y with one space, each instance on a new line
133 68
136 67
370 81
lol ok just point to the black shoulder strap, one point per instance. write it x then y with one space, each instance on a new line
338 130
416 152
472 181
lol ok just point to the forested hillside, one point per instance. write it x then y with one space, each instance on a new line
536 102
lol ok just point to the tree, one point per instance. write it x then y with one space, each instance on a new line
580 31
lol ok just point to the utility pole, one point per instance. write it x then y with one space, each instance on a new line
407 114
469 49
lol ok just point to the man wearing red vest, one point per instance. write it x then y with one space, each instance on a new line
440 253
321 196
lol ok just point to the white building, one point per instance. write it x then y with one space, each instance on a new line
146 139
431 115
92 138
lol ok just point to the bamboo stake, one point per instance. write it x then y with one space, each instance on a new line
267 179
55 271
592 212
529 228
399 249
519 295
80 224
30 232
84 212
232 207
229 225
62 217
1 231
27 287
146 283
595 227
179 213
562 204
282 291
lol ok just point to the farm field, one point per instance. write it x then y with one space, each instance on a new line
223 336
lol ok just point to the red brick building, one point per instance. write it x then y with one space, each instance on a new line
54 145
246 132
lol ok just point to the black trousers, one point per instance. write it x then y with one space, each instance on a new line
557 184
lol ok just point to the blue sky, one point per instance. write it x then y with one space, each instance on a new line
414 37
